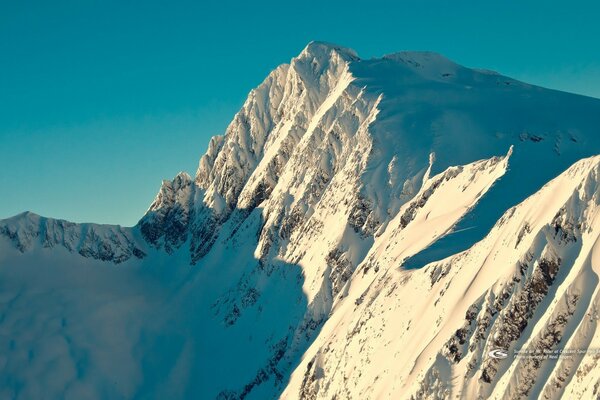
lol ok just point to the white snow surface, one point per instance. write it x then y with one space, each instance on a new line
364 229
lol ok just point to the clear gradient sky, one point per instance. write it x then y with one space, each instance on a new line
101 100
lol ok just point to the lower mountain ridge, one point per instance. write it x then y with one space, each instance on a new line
401 227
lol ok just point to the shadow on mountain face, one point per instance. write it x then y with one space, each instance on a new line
529 170
232 326
235 329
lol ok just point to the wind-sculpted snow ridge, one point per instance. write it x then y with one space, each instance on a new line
330 114
529 287
349 227
271 292
27 231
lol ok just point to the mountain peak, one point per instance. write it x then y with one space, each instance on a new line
320 49
317 49
24 215
336 176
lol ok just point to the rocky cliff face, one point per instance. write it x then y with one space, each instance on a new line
348 236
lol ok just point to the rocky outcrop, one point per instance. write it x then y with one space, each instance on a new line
101 242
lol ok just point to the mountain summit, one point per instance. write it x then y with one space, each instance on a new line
363 229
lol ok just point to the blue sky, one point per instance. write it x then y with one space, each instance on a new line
101 100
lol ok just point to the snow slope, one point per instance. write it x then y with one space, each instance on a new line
531 283
303 259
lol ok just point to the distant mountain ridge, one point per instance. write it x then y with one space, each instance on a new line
363 229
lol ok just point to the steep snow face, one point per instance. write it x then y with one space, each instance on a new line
269 294
531 285
432 105
329 113
318 221
308 104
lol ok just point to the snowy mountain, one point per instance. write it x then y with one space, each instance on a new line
363 229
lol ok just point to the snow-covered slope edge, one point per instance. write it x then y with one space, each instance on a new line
27 231
336 173
329 117
530 285
270 307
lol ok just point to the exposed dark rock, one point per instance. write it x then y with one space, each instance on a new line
515 316
341 270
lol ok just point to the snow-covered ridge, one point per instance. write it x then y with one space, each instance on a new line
381 118
532 284
330 116
103 242
337 175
